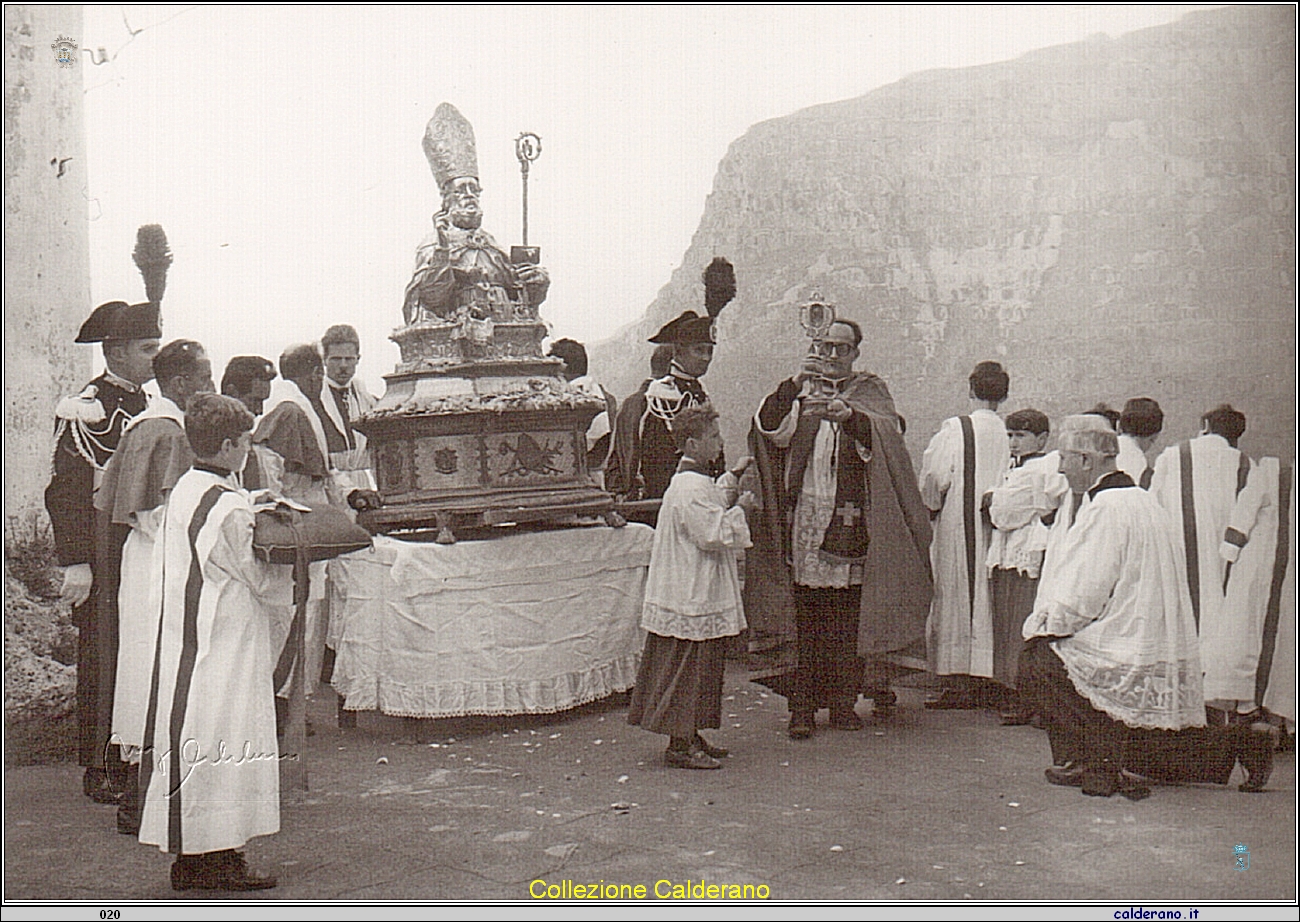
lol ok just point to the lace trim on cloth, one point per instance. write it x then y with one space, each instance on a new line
496 697
812 515
1149 696
726 623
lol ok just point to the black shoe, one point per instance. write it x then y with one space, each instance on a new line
1131 787
1069 775
884 703
802 724
952 700
1099 782
703 746
93 780
95 784
225 870
1255 753
128 820
696 758
843 717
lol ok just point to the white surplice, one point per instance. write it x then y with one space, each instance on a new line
1280 686
1132 460
692 590
210 770
137 594
1214 481
1231 644
959 635
1119 601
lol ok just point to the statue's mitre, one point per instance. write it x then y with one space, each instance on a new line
449 145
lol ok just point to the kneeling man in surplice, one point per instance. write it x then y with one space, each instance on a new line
1112 662
843 533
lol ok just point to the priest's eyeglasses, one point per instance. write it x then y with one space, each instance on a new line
824 349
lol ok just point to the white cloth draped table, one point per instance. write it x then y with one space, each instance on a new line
526 623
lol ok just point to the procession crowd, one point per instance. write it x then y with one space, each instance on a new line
1139 607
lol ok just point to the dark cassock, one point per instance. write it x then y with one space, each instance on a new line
644 457
88 427
843 543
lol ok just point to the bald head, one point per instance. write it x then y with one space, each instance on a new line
1087 446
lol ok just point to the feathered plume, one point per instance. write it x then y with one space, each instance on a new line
153 258
719 285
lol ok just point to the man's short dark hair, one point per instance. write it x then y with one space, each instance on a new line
1225 421
1141 418
297 362
242 371
661 360
989 381
852 325
210 419
1107 413
178 357
574 355
691 423
337 335
1028 420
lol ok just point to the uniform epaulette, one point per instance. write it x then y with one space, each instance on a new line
664 399
85 407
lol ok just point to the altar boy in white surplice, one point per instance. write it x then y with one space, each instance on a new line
692 597
210 767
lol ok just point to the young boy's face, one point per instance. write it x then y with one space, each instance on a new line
1023 442
708 446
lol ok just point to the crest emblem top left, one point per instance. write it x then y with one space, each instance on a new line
65 51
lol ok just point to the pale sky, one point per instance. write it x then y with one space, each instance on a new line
279 147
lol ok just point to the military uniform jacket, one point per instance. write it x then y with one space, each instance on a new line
87 429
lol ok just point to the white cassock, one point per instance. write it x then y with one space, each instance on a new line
1132 460
954 479
211 779
310 492
1280 681
1197 482
350 469
1257 554
153 457
1118 601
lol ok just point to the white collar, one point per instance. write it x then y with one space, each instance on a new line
119 381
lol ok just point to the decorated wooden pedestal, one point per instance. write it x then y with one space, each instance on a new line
472 434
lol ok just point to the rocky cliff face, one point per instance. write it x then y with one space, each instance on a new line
1108 219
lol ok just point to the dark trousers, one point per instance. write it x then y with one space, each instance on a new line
830 672
1013 601
1204 755
89 755
1078 732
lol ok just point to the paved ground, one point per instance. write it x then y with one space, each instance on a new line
932 805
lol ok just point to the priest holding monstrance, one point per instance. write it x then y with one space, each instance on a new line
460 272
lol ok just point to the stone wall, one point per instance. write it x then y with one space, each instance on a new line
47 250
1109 219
